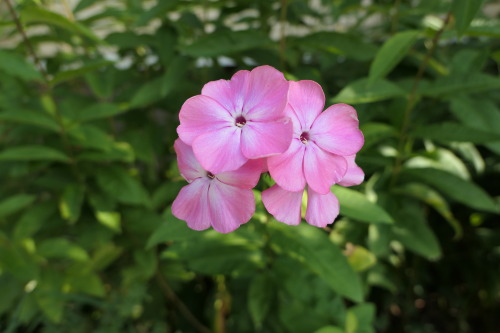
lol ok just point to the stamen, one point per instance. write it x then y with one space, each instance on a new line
210 175
240 121
304 137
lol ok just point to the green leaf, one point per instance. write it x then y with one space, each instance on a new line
440 158
360 318
484 27
414 233
32 153
376 132
10 289
15 260
172 229
111 220
82 281
62 248
104 256
456 188
391 53
260 298
486 116
316 251
148 93
90 136
49 295
454 85
449 132
36 118
33 219
464 11
356 205
34 14
337 43
15 203
433 199
100 111
214 253
15 65
329 329
365 91
119 184
175 72
226 42
71 202
71 74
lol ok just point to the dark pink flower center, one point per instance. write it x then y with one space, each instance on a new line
240 121
210 175
304 137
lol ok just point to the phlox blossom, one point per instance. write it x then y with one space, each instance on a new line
237 120
322 209
321 141
223 200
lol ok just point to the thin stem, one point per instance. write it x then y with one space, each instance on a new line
395 17
403 135
284 5
68 10
175 300
46 87
30 48
221 305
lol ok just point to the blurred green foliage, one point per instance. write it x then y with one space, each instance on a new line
89 96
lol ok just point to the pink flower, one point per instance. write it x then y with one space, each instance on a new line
237 120
321 144
223 201
322 209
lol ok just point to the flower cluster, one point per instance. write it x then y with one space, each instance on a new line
260 122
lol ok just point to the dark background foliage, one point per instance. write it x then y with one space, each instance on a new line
89 97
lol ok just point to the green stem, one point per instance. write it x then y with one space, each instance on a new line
177 302
26 41
46 87
412 101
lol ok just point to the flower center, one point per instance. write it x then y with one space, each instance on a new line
240 121
304 137
210 175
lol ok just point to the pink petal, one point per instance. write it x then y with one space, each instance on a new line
245 177
297 127
266 96
191 205
266 139
336 130
307 99
201 114
188 165
354 174
229 94
265 168
322 169
283 205
322 209
220 151
229 206
286 169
